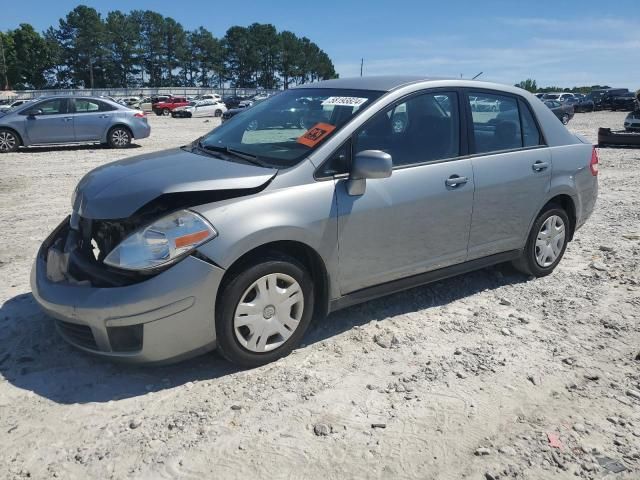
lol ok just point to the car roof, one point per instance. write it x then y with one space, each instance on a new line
379 83
394 82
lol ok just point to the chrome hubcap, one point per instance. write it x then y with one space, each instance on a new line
120 137
269 312
550 241
7 141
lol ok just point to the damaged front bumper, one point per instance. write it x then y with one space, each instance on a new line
163 318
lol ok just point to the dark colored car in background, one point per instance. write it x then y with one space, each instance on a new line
603 98
625 102
233 101
563 111
584 104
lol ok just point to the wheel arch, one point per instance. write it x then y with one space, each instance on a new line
568 205
299 251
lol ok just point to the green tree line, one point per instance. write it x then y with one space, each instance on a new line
144 48
532 86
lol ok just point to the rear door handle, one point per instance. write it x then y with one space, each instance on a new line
104 116
67 119
540 166
455 181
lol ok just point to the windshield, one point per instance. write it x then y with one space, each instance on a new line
550 96
284 128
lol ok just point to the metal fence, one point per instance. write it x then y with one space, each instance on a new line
133 92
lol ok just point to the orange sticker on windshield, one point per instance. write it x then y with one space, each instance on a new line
316 133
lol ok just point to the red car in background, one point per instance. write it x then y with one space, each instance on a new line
165 107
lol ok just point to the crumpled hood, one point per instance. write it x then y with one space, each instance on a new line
119 189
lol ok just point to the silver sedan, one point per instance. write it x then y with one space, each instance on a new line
63 120
238 240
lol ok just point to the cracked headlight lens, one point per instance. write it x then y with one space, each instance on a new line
163 242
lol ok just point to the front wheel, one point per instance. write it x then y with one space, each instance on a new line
166 112
119 137
263 311
9 141
546 243
218 113
565 119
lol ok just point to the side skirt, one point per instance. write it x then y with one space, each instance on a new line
369 293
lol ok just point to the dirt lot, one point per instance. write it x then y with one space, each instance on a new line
475 377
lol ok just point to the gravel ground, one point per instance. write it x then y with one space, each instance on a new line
490 375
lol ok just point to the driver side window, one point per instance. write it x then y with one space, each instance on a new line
424 128
48 107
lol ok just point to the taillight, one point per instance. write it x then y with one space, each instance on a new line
593 165
139 114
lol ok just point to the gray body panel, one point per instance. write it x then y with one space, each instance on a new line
509 194
413 217
406 225
72 127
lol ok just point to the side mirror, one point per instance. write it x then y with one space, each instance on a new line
35 113
368 164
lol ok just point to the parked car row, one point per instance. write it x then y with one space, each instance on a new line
601 99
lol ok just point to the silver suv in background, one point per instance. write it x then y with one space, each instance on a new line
237 240
62 120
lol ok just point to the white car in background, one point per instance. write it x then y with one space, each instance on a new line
558 96
200 108
17 103
210 96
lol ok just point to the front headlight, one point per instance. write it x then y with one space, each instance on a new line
161 243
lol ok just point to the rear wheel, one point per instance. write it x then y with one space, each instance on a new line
9 141
119 137
218 113
565 119
166 112
546 243
263 311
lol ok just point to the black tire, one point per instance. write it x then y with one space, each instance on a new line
565 119
230 295
218 113
166 112
119 137
9 141
528 263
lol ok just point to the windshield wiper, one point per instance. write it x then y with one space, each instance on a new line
243 155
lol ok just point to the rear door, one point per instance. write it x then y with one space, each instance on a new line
49 122
91 118
512 173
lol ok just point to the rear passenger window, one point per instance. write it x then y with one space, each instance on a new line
422 129
530 133
496 122
501 123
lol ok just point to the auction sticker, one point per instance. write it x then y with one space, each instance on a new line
316 133
345 101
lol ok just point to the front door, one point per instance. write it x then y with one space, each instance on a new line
419 218
512 173
49 122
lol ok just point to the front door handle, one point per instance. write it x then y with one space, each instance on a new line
67 119
104 116
540 166
455 181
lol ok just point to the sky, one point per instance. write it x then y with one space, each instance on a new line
560 43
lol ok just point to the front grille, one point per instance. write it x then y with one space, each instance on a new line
80 335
